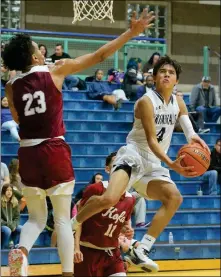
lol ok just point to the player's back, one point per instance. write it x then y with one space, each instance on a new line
165 117
39 104
102 230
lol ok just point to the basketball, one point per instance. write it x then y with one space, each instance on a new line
195 155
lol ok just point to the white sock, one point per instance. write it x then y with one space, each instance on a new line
148 241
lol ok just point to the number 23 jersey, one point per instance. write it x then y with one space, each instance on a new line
165 117
102 230
38 103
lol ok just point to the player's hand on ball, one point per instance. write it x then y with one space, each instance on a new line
186 171
78 256
197 139
139 25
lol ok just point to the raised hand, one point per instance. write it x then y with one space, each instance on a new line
144 22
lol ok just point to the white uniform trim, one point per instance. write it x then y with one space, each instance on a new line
37 68
33 142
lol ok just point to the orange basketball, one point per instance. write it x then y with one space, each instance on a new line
195 155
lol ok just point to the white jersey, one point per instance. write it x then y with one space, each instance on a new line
165 117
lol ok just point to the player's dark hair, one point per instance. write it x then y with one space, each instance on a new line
218 140
18 53
167 60
109 158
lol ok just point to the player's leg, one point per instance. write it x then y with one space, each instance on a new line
37 209
118 183
61 206
114 264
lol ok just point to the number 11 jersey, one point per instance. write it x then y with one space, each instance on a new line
165 117
39 104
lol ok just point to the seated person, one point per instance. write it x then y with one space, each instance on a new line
149 65
203 99
100 90
196 119
149 83
10 228
5 177
131 82
7 121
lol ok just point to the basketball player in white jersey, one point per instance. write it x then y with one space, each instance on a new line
138 164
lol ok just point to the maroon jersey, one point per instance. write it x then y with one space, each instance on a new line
103 229
39 104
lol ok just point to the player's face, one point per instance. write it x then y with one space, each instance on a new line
99 75
98 178
166 77
5 102
37 56
8 193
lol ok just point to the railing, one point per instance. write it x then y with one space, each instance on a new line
76 44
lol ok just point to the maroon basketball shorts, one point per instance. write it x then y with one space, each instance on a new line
99 263
46 165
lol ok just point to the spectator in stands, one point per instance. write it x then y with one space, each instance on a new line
7 122
10 216
149 84
70 82
5 177
215 163
196 119
139 210
44 52
151 62
203 99
15 181
210 180
100 90
131 83
140 76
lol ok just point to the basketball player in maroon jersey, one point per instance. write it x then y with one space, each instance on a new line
35 101
97 250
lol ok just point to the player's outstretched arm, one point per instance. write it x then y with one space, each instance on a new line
187 126
71 66
145 112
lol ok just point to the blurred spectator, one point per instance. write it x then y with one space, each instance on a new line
210 180
151 62
15 181
101 90
70 82
215 163
5 179
115 76
203 99
196 119
44 52
59 53
140 210
7 122
50 223
131 83
140 76
10 216
149 84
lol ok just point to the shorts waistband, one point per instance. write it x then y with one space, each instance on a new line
33 142
90 245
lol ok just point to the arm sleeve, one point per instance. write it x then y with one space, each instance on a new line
187 127
193 98
92 190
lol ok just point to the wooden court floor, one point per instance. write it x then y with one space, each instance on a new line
167 268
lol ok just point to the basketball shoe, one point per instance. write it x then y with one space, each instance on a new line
140 257
18 263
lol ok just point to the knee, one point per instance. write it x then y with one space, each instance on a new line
174 199
6 231
214 174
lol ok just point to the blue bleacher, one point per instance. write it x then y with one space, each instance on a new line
94 130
